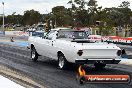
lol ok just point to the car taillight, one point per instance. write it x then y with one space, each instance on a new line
119 52
80 52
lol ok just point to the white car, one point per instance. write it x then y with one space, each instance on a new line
72 46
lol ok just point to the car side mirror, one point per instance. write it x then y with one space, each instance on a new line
45 37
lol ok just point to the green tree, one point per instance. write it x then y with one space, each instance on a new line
61 16
126 11
125 4
80 14
31 17
14 19
1 20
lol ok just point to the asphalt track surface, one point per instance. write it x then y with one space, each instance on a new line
44 73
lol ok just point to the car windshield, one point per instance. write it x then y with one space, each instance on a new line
72 34
41 26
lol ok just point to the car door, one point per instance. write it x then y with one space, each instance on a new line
37 38
46 44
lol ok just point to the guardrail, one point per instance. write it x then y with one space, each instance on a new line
1 32
119 40
112 39
122 43
17 33
109 39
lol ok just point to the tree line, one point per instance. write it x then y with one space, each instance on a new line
82 13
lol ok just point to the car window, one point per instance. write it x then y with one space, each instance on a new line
49 35
38 34
72 34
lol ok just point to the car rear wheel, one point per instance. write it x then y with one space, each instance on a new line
62 62
34 54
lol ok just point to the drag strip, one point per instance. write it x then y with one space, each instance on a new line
45 73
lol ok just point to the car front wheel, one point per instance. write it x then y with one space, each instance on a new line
34 54
62 62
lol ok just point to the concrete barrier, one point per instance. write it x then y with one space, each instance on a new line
1 32
17 33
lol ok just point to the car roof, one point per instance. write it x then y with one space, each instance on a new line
65 29
61 28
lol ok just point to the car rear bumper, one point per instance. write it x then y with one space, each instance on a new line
93 61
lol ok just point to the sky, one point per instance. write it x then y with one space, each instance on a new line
45 6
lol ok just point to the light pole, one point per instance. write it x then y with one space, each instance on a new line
3 18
